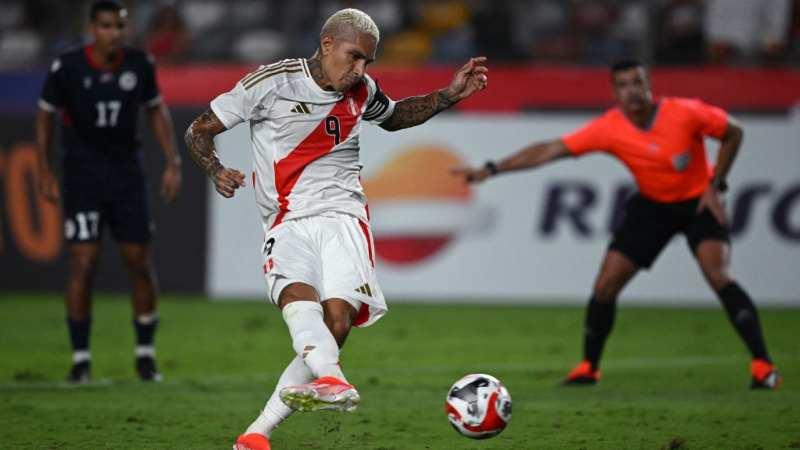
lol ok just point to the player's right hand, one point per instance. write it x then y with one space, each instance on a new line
226 181
471 174
47 186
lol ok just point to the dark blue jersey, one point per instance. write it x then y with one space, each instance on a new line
100 106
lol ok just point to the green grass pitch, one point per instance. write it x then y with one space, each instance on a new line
673 378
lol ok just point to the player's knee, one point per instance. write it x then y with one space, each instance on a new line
718 279
82 266
606 290
138 266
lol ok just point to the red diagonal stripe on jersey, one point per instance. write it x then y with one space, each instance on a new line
314 146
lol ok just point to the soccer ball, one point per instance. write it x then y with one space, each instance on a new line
478 406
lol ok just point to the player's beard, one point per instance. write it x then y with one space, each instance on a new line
349 82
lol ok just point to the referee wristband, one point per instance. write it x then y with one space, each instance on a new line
720 185
491 167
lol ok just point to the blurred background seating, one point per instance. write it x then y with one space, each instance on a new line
417 32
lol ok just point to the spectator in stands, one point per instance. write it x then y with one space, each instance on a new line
595 21
738 30
680 34
167 38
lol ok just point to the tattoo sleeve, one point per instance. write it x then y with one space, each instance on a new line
199 138
413 111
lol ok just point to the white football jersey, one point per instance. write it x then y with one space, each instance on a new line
304 139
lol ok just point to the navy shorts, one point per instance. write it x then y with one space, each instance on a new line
648 227
100 192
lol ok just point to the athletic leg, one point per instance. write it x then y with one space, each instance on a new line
83 260
338 316
138 260
713 257
615 272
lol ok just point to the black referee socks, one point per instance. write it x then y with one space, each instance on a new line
744 317
599 321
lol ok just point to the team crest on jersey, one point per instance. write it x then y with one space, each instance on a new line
681 161
87 83
55 66
106 77
127 81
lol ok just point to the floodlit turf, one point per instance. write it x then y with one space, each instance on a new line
672 379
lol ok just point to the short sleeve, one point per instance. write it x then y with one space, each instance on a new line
150 92
379 106
237 105
591 137
710 120
52 97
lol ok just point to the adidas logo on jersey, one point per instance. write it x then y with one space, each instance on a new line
365 290
301 108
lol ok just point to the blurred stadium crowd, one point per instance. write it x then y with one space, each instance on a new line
414 32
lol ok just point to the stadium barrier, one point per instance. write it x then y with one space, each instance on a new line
526 237
532 236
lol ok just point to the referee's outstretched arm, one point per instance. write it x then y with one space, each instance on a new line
531 156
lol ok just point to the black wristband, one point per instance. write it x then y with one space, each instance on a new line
491 167
720 185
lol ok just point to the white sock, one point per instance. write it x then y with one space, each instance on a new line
79 356
311 339
275 411
144 350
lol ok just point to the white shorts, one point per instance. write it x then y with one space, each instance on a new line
332 252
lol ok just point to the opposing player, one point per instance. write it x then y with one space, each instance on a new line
99 90
661 143
305 116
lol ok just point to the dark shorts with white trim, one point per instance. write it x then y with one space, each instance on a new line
105 191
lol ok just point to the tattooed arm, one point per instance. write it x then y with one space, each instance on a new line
199 139
412 111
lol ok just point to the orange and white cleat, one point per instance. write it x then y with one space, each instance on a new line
582 374
326 393
251 441
765 376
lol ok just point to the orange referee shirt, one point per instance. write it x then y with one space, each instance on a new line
668 160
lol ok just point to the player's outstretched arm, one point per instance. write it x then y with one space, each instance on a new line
412 111
199 139
531 156
46 181
161 123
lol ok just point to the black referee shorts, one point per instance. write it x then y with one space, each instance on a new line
648 227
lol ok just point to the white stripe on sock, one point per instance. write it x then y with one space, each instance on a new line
146 319
80 356
145 350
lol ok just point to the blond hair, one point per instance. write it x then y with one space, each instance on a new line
350 20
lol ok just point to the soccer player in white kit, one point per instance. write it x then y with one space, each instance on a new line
305 116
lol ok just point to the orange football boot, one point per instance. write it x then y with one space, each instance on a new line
765 376
582 374
326 393
251 441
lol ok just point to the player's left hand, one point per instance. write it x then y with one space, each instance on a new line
713 200
171 182
470 78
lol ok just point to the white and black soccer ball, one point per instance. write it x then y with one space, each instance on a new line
478 406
